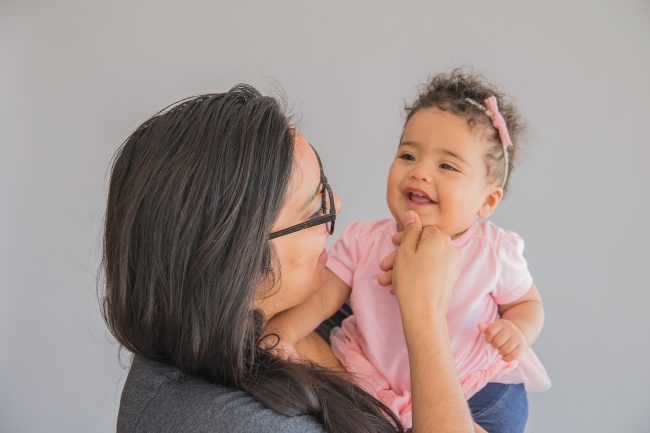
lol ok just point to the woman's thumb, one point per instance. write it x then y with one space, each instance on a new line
412 230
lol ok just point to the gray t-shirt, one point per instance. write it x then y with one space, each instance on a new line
159 398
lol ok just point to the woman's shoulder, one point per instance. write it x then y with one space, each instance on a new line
157 397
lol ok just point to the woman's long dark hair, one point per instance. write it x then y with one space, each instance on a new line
193 195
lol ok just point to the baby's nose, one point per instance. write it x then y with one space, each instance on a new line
420 173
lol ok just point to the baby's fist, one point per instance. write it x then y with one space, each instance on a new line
278 347
506 337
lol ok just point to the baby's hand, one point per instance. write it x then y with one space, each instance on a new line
285 351
278 347
506 337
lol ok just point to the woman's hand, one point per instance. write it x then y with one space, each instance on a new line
424 272
386 265
425 266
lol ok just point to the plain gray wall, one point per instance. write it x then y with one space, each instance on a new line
76 77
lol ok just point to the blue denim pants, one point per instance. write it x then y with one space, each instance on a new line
500 408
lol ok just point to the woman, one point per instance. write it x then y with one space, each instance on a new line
217 216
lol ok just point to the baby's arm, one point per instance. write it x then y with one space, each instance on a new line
527 313
296 323
520 324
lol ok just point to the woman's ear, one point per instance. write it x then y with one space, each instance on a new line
491 202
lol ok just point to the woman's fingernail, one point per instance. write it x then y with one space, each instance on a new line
409 218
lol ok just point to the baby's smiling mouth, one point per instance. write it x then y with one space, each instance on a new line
418 197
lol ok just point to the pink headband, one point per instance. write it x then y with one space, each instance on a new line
499 123
497 120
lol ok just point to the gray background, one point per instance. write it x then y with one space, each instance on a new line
77 76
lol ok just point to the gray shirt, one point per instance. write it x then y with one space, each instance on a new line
159 398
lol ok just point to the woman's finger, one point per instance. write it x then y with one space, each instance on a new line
412 232
434 235
397 238
385 279
388 262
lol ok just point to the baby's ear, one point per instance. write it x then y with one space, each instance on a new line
491 202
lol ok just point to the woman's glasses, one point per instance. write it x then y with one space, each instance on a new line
326 215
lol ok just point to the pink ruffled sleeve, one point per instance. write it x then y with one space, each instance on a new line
514 279
344 255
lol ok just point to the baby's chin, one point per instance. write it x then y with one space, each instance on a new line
427 220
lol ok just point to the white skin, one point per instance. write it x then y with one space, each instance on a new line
438 401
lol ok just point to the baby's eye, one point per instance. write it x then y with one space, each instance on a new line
407 157
446 166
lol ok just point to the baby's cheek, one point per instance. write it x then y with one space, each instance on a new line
463 202
393 185
392 199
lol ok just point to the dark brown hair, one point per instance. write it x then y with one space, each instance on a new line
193 194
447 92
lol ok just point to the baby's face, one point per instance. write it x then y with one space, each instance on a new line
440 173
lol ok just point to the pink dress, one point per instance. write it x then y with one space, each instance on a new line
371 345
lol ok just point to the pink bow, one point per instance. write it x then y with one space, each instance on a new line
497 120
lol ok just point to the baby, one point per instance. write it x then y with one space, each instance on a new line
452 167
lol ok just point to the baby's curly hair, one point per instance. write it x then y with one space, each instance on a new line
447 92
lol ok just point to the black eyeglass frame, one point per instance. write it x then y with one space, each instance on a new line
329 218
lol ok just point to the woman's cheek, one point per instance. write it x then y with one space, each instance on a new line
304 254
